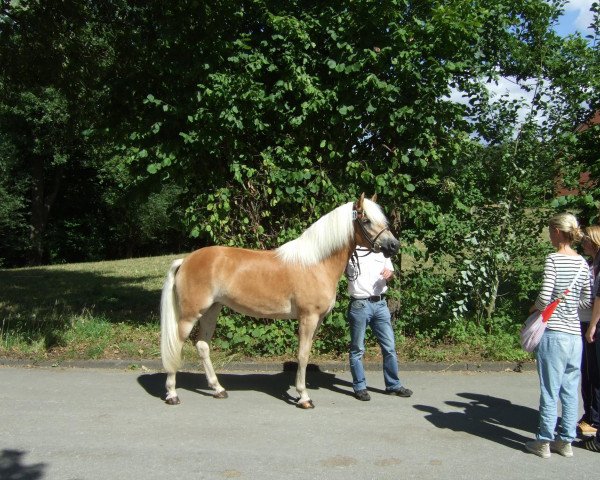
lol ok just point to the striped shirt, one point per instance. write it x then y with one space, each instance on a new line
559 272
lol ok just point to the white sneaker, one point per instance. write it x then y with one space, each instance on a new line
540 448
562 448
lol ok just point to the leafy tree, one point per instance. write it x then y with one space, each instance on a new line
495 273
300 106
52 58
578 90
65 97
250 119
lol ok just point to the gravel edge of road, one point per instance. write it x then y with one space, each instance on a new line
275 366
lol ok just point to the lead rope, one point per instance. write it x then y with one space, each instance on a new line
354 261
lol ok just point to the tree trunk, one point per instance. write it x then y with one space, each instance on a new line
490 306
41 203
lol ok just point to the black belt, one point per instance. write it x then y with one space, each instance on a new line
374 298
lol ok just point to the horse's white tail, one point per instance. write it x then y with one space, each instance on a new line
170 343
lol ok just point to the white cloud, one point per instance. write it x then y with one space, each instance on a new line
509 90
506 88
579 16
509 87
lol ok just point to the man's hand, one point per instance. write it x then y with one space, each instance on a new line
591 331
386 274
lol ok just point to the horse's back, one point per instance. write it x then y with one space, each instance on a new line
219 257
252 282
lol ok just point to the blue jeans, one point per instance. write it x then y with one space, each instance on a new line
362 313
558 364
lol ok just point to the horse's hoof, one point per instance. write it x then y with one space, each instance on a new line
172 401
307 405
222 394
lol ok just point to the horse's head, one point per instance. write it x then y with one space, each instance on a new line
371 227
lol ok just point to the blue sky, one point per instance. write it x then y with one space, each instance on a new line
577 18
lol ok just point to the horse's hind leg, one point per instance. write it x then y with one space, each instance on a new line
184 328
171 398
201 338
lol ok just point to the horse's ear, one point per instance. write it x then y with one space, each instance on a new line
359 203
374 198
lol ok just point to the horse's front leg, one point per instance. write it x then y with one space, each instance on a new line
306 333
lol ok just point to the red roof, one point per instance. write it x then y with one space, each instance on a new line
593 120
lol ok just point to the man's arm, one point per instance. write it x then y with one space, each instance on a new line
591 331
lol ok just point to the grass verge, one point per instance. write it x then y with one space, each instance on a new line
110 310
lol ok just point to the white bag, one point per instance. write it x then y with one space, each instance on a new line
534 328
535 325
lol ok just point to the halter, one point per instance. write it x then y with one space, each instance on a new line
356 216
354 258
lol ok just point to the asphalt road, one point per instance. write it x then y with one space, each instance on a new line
91 423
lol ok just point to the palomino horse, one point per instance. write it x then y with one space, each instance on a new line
296 281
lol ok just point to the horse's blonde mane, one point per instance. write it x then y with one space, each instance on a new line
328 234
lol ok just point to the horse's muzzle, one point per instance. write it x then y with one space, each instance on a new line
388 246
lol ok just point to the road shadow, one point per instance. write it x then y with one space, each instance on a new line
275 384
12 467
487 417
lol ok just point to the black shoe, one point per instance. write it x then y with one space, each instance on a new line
362 395
401 392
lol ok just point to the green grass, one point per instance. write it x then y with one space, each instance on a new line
111 310
86 310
